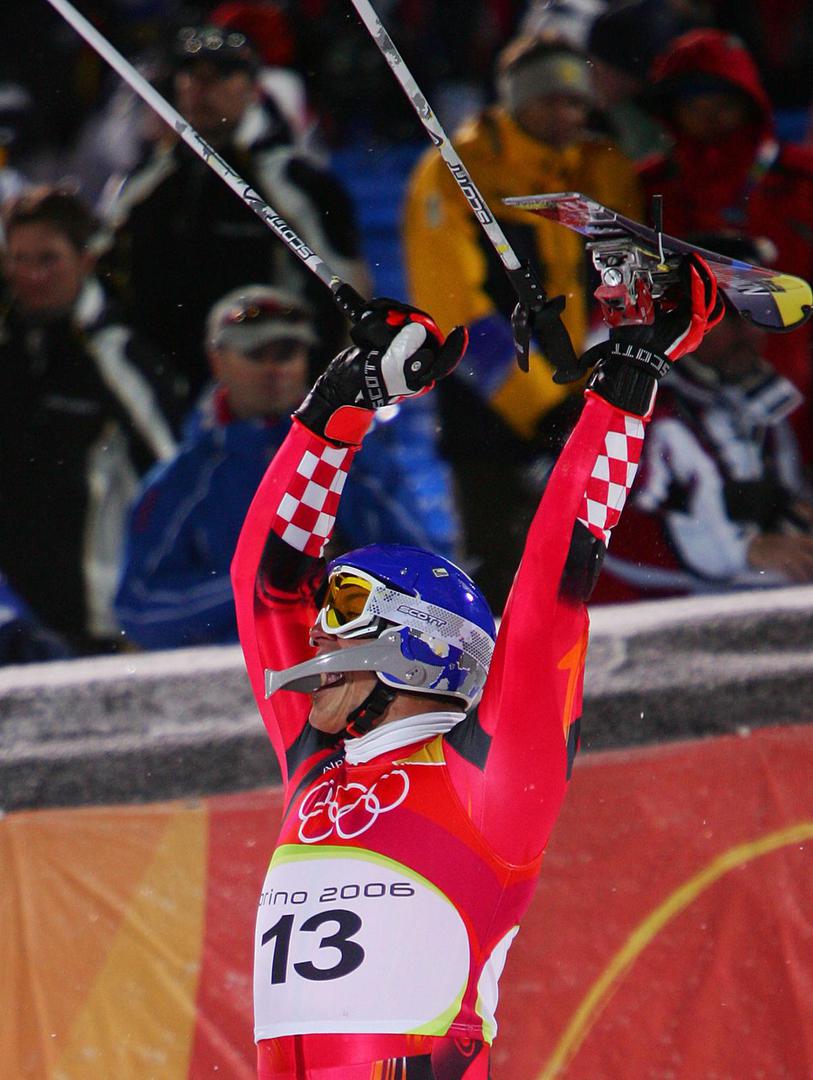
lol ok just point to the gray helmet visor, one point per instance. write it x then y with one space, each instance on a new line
382 654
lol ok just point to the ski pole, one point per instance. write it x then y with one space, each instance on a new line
532 296
345 296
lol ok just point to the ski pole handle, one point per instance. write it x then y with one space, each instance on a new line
532 299
345 296
527 285
436 133
348 301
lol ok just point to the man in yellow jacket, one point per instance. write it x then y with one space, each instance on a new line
534 139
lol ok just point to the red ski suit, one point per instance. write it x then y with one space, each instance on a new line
399 880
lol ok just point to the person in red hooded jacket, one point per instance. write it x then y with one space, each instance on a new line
728 171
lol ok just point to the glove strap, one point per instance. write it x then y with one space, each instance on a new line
624 384
348 425
554 341
343 425
639 356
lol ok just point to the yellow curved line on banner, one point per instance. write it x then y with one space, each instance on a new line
602 989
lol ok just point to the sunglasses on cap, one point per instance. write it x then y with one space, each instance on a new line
255 327
228 49
261 309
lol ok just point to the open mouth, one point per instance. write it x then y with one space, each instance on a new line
329 679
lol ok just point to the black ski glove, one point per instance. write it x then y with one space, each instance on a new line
629 365
399 352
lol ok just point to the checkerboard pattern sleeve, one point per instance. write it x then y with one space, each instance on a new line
612 476
307 510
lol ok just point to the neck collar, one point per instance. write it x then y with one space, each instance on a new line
398 733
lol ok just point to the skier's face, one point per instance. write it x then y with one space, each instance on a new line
339 695
45 271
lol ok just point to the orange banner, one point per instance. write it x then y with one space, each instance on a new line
669 937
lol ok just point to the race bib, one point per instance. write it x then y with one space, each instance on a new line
350 941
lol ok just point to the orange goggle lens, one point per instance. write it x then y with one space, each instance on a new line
346 599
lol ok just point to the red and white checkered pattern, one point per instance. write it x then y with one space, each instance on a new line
307 511
612 476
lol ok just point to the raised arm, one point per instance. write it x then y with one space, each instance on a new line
532 702
277 565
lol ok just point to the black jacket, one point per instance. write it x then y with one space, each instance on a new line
85 409
182 238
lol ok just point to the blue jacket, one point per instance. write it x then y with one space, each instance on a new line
23 638
174 588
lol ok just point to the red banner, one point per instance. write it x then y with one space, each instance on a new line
670 935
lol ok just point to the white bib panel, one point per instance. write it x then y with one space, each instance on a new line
349 941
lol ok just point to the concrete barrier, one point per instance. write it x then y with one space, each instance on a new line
163 725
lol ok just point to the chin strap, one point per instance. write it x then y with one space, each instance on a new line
362 719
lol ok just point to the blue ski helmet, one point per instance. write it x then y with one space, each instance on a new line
446 629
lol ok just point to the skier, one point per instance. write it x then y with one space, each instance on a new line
414 825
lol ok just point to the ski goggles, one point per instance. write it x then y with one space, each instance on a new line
356 603
347 610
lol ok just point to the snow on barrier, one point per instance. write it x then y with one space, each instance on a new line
152 726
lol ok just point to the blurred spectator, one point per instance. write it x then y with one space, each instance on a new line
622 43
779 35
183 238
728 171
175 588
449 48
720 501
569 20
23 639
83 410
496 419
57 74
269 27
118 136
15 105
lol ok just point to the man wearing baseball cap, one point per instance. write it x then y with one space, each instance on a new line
174 589
258 340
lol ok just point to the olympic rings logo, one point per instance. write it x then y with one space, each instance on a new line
349 809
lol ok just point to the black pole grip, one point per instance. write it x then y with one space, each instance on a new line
521 328
532 297
527 285
349 302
